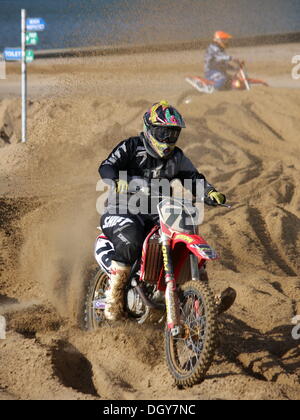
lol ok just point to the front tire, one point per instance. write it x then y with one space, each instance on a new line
190 354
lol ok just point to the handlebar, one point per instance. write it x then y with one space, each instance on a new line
146 191
208 201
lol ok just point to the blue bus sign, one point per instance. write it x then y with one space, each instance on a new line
12 54
35 24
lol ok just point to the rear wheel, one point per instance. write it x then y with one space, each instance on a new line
190 354
95 301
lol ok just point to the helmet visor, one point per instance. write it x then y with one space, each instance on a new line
168 135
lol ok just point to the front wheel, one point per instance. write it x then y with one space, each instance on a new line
190 354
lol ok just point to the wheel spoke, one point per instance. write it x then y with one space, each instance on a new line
188 348
190 354
99 294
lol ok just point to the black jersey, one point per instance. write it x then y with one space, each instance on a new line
131 156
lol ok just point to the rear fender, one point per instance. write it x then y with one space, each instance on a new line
201 84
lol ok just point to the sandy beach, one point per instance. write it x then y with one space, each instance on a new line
247 145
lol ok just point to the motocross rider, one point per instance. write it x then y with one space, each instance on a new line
152 154
217 62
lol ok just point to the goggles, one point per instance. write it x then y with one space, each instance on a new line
168 135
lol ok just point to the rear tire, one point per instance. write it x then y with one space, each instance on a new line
190 355
93 316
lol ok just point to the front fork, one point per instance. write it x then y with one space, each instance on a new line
171 297
194 267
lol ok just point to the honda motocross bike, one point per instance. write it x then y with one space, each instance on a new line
240 81
169 283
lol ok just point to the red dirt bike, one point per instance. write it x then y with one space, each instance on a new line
240 81
168 283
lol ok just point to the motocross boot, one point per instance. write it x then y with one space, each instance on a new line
225 300
114 305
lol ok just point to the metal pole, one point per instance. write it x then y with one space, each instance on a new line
24 75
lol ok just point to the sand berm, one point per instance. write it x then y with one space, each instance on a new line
247 145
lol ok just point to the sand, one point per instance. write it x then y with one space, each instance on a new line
246 143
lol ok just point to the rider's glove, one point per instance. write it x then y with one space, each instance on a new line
121 186
217 197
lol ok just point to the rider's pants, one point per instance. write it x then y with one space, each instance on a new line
127 233
221 80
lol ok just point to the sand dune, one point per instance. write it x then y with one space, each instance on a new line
246 143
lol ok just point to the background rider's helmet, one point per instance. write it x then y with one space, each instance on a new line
222 38
162 126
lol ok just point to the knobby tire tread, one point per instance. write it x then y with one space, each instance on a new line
206 358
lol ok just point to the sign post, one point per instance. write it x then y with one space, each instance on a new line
25 56
2 66
24 76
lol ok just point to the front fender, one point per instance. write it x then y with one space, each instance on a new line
204 251
197 245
